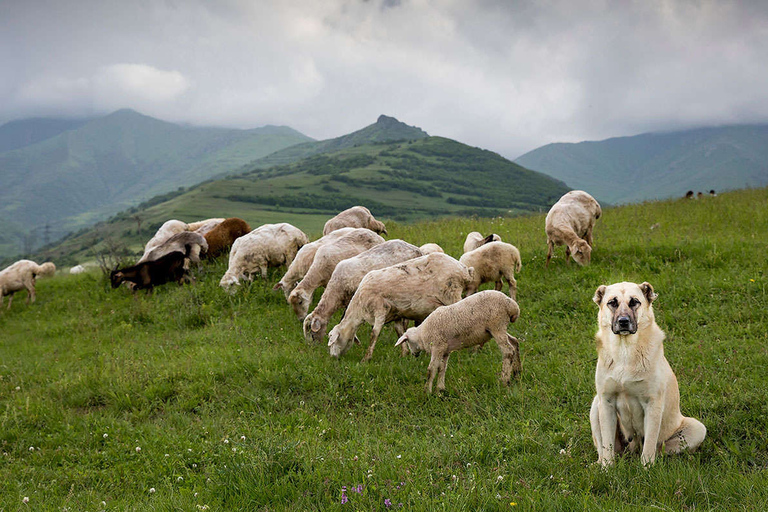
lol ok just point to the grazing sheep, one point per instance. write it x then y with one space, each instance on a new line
303 260
491 262
409 290
224 235
166 231
77 269
148 274
713 193
430 248
570 222
204 226
355 217
270 245
467 323
347 276
325 261
475 240
689 195
192 244
22 276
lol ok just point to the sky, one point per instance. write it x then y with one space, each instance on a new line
508 76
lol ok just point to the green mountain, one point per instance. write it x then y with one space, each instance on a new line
429 177
24 132
659 165
65 180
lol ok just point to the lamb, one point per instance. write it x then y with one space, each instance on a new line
491 262
469 322
166 231
224 235
148 274
270 245
192 244
409 290
355 217
22 275
475 240
204 226
430 248
325 261
303 260
570 222
347 276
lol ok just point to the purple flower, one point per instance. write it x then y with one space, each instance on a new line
359 489
387 502
344 498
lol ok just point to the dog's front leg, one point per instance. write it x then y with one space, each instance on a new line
651 426
608 424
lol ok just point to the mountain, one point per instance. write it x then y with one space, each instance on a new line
659 165
430 177
69 175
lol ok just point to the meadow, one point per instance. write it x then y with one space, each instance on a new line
191 399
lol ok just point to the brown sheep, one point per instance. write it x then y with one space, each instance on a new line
223 236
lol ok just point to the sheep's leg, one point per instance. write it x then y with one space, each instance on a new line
263 269
568 254
499 285
30 292
441 372
400 327
510 350
378 324
10 299
550 250
588 236
510 277
434 364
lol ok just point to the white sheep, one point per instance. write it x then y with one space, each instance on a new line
410 290
475 240
325 261
303 260
570 222
467 323
77 269
491 262
204 226
22 275
269 245
430 248
355 217
187 242
166 231
347 276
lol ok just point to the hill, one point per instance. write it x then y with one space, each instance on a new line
659 165
70 175
426 178
192 399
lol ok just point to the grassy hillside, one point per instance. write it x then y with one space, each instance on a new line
404 181
25 132
216 402
659 165
108 164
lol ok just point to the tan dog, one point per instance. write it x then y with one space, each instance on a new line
638 401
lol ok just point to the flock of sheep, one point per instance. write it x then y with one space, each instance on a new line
375 280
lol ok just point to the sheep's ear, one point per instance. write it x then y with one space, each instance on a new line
315 325
330 341
647 290
598 298
402 339
278 286
488 239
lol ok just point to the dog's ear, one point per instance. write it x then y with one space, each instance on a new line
648 292
598 298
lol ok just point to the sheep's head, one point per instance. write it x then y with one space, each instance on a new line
314 328
412 341
337 343
47 269
581 252
116 278
229 283
299 301
377 226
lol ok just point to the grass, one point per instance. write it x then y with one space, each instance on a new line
232 410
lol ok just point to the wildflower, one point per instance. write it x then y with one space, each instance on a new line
399 456
226 441
344 498
242 438
31 448
151 490
25 499
562 451
105 435
499 478
359 489
512 504
387 502
138 449
167 455
180 479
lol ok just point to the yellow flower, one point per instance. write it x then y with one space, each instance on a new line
752 280
512 504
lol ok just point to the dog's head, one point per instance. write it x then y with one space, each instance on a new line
625 307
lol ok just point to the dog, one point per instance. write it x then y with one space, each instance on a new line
637 406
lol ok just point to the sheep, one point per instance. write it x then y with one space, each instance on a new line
224 235
355 217
470 322
491 262
77 269
409 290
192 244
430 248
570 221
347 276
204 226
475 240
22 275
148 274
166 231
326 258
303 260
270 245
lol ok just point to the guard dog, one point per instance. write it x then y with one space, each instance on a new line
637 406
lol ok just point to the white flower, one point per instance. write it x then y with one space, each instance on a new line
151 490
180 479
399 456
499 478
103 503
138 449
31 448
195 495
242 438
562 451
105 435
167 455
25 499
226 441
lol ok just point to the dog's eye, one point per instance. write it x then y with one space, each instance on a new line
633 302
613 302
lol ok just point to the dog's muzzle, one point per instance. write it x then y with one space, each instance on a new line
624 325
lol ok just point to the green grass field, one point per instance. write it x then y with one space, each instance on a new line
190 399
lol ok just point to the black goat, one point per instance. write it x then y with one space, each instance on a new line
148 274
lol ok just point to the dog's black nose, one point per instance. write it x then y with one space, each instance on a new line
623 322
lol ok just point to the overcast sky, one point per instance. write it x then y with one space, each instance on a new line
508 76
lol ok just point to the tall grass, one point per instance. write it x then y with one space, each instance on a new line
217 401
